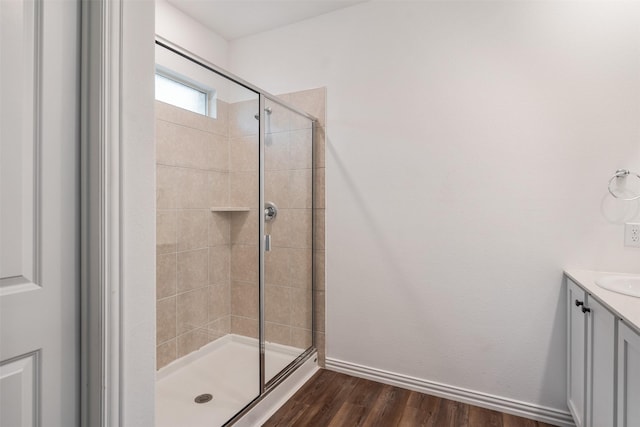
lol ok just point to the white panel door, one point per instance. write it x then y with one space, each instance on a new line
628 377
576 352
39 213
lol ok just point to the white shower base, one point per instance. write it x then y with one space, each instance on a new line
228 369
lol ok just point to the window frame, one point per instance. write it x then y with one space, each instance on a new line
209 94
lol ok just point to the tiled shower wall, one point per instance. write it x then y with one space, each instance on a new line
287 266
207 282
192 271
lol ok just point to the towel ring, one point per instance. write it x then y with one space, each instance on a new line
622 173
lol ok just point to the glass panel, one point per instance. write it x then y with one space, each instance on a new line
288 265
207 253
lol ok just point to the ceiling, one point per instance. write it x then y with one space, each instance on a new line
233 19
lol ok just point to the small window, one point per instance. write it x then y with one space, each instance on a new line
181 95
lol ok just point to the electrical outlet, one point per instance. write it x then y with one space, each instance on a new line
632 235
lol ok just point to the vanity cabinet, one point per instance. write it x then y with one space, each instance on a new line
628 377
591 363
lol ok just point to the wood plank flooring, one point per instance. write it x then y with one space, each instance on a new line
330 399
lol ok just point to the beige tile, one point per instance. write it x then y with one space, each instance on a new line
171 113
192 341
219 265
319 146
219 228
220 302
192 308
301 338
165 319
219 328
313 101
277 304
278 229
243 189
318 229
183 146
319 309
299 231
319 270
220 125
244 263
301 308
244 326
166 187
285 97
166 353
166 144
300 267
276 188
320 345
193 226
319 189
218 189
166 232
279 334
300 194
194 189
301 149
219 146
299 121
166 280
244 300
244 154
165 111
276 151
242 121
276 266
193 269
244 227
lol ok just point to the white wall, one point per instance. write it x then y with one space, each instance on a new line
469 149
179 28
137 168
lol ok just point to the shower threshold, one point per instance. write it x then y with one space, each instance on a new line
226 369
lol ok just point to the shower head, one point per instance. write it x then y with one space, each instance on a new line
267 110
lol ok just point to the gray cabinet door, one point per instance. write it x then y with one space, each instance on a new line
576 352
601 365
628 377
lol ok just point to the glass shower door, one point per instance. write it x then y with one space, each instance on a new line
208 247
288 225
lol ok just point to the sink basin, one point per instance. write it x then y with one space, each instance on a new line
622 284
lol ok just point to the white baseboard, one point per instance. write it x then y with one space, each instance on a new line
501 404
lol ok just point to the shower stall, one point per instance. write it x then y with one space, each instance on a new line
235 241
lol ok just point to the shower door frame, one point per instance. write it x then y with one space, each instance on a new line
265 386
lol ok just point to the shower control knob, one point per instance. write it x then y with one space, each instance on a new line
270 211
579 303
586 310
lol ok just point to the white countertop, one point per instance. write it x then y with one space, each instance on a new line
624 306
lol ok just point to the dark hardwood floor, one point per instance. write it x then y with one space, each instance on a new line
337 400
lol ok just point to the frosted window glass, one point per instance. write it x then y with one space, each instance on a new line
180 95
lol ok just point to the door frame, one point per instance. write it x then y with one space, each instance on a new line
117 134
100 196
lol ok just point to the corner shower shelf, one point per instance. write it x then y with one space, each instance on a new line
230 209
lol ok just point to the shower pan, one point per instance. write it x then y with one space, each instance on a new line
234 241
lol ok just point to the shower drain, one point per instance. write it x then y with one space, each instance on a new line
203 398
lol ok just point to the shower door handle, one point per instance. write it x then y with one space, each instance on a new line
267 242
